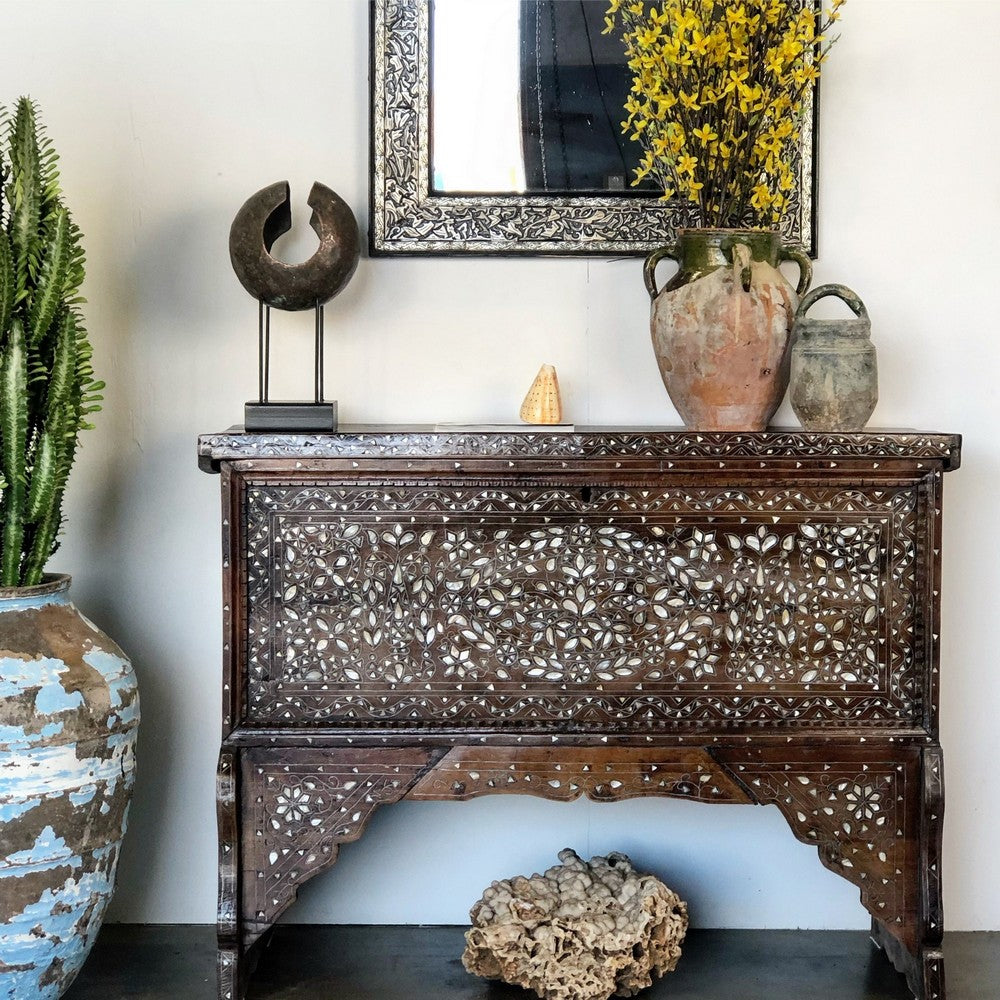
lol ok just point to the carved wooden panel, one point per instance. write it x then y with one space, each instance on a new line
933 835
858 807
514 605
302 806
604 775
861 808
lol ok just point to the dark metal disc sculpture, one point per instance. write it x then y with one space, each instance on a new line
264 217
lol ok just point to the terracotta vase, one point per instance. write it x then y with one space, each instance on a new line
721 325
69 708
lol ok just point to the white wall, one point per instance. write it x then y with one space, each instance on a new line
168 114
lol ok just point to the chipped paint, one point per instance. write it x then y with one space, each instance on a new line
69 709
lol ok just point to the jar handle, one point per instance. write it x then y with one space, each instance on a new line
649 270
800 257
842 292
742 271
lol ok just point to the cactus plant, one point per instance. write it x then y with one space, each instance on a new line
47 384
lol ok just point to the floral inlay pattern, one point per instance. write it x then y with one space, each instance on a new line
528 605
856 814
855 809
292 804
302 813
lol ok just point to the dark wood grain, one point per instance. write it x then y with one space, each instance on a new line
614 613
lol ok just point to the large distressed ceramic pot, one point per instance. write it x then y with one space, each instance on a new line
722 324
69 708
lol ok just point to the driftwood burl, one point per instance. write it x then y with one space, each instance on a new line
585 930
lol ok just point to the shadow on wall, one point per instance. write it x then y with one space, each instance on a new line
149 559
970 683
731 863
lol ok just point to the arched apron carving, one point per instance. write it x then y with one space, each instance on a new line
862 810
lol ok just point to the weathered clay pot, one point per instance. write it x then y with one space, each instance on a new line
834 378
69 708
721 326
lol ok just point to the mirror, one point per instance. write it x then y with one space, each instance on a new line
496 128
538 113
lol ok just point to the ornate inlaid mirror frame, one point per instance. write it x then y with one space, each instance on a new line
414 211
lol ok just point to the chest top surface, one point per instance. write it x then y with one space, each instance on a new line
424 442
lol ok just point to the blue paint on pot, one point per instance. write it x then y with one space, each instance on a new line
23 600
83 796
48 851
12 809
54 698
52 729
62 913
31 675
67 766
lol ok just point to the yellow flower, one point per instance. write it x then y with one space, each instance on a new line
736 79
717 89
648 37
737 14
699 43
762 197
685 19
805 74
774 63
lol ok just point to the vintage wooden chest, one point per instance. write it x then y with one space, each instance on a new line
612 613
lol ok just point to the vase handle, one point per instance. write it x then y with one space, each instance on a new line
800 257
649 271
842 292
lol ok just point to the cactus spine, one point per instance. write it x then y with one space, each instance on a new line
47 384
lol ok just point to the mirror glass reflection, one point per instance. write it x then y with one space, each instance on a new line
527 97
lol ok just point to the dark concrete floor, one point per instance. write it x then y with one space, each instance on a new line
422 963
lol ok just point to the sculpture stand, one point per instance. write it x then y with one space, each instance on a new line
288 415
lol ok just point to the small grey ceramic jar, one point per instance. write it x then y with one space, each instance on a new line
834 375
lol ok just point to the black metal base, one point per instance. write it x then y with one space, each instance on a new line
290 416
